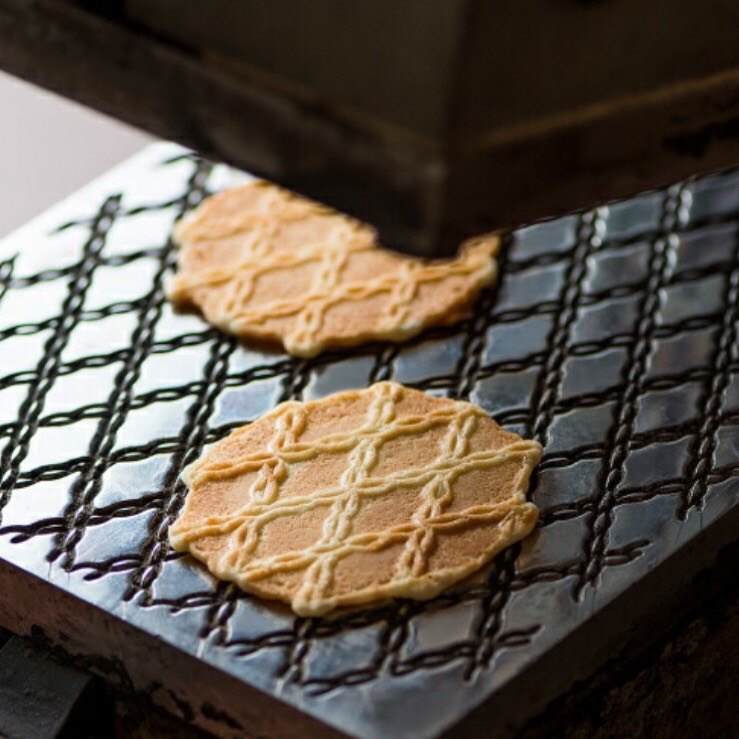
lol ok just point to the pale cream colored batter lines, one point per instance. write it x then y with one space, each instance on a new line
402 293
435 495
400 283
257 262
338 523
260 228
370 487
332 444
327 277
448 409
265 489
368 542
279 203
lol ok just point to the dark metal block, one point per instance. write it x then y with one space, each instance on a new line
432 119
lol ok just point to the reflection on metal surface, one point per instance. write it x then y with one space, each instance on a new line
611 338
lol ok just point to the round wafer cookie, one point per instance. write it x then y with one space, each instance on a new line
359 497
263 263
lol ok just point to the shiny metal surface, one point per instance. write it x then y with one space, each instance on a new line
611 338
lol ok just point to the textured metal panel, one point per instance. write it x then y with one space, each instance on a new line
611 337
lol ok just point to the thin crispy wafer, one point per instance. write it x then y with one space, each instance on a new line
359 497
263 263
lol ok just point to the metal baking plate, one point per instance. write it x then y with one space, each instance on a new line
611 337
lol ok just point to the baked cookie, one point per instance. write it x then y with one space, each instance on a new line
263 263
359 497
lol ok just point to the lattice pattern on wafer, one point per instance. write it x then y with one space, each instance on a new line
261 262
328 513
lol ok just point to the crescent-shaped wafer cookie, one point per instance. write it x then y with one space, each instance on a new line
263 263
